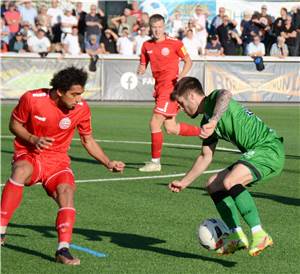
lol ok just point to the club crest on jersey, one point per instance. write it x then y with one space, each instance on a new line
65 123
165 51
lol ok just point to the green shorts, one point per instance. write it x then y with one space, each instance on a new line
264 161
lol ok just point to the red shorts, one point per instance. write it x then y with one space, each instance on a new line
50 171
164 105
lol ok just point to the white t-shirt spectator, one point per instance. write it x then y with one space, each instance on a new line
72 41
252 48
192 46
68 20
125 46
139 40
56 14
28 15
39 45
176 26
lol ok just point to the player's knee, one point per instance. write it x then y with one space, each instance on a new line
21 172
65 190
171 130
228 183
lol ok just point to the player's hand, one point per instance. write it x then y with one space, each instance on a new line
116 166
208 129
177 186
141 69
42 143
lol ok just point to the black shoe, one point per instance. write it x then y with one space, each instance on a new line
64 256
93 62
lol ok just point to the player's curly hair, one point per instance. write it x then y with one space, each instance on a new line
185 85
66 78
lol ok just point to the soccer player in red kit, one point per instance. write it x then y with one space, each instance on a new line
164 53
44 122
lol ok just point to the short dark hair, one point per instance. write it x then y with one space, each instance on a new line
185 85
155 18
66 78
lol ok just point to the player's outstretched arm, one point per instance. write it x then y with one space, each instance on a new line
199 166
97 153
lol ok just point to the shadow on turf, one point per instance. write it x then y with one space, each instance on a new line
277 198
124 240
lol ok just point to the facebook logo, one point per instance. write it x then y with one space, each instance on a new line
129 80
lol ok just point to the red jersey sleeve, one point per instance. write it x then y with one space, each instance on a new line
180 49
85 124
144 56
22 111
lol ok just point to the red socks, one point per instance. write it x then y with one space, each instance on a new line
189 130
11 198
64 224
157 139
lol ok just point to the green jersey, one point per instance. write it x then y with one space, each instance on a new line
237 125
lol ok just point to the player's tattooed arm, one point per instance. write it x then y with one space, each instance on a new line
223 99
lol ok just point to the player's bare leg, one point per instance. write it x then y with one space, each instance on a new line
12 193
64 196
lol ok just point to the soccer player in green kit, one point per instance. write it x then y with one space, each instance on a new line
262 158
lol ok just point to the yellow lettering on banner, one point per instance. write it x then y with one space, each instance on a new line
288 84
10 73
217 78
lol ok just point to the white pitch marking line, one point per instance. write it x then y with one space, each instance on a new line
144 143
136 178
143 177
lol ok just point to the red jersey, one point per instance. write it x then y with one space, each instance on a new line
42 117
164 59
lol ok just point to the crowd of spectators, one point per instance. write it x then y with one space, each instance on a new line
64 27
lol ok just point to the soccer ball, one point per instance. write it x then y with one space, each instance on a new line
211 232
154 7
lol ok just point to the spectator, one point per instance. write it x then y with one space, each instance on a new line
131 20
108 42
191 44
217 21
279 49
67 22
55 13
290 35
93 23
279 22
4 34
135 11
80 15
228 36
43 19
264 14
39 43
13 19
296 23
246 21
140 39
18 44
27 32
28 13
256 48
200 24
92 47
177 26
120 22
214 48
71 42
124 44
4 7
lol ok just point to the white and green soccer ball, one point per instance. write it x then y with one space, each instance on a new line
211 233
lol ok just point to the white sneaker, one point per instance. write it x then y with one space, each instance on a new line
150 167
